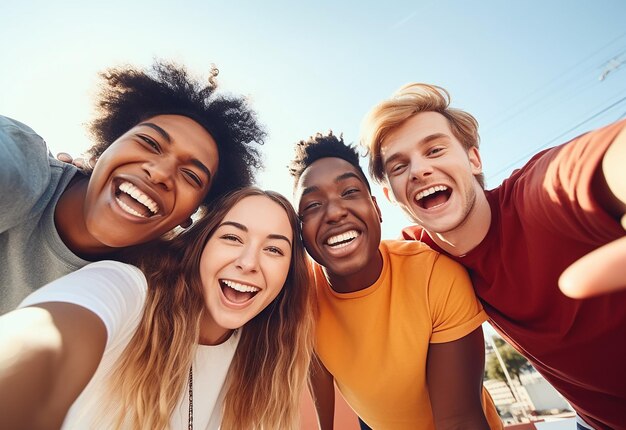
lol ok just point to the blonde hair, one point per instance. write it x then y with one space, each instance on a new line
270 366
408 101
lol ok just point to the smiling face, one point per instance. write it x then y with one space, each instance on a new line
149 180
244 264
340 221
430 174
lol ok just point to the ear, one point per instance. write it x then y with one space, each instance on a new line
475 162
380 216
186 224
389 195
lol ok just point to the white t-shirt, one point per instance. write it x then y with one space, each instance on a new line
116 293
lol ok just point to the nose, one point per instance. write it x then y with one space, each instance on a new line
248 260
336 210
420 169
161 171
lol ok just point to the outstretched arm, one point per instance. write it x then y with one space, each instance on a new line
323 393
604 269
48 354
454 373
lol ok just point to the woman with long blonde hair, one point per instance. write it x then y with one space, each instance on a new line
217 332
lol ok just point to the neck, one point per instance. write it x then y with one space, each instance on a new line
470 233
211 333
70 221
359 280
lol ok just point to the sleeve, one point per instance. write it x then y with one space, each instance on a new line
454 308
25 171
114 291
560 183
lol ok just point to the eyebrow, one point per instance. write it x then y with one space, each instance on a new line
159 130
339 178
244 228
168 139
424 141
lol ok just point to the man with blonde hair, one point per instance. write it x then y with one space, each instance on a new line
562 209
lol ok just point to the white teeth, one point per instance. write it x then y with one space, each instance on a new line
429 191
136 194
129 209
342 237
242 288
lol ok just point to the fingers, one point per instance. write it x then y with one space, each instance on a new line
599 272
64 157
85 164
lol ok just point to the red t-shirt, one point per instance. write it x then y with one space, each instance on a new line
544 217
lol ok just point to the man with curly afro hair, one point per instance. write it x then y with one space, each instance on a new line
165 145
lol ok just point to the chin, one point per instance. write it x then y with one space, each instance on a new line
233 323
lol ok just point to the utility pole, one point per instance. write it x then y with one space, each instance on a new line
514 391
612 65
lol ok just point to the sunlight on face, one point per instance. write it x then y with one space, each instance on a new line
244 264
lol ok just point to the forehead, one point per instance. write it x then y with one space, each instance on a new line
325 172
415 130
186 136
261 215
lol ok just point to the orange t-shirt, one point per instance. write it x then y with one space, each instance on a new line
375 341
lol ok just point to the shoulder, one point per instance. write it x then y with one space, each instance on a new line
114 291
112 273
418 262
16 135
417 253
26 167
9 123
407 248
101 280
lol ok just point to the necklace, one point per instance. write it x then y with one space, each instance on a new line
190 425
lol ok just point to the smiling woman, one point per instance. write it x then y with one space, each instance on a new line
222 315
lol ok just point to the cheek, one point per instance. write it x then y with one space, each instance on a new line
397 185
308 233
189 199
279 274
206 267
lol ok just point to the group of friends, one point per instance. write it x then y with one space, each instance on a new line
156 287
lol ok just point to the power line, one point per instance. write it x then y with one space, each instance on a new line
558 78
537 149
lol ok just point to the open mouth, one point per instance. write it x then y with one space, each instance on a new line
433 196
236 292
342 240
135 202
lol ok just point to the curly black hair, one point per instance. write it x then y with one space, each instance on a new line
324 146
129 96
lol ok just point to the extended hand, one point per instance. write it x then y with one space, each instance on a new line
599 272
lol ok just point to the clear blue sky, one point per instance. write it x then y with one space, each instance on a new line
527 70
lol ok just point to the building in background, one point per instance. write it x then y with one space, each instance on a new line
519 392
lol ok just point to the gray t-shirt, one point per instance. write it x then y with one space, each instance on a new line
31 182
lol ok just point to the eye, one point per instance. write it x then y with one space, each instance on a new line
150 142
231 238
435 151
350 191
191 176
275 250
397 168
310 206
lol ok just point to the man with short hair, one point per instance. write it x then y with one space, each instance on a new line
398 327
165 145
517 239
